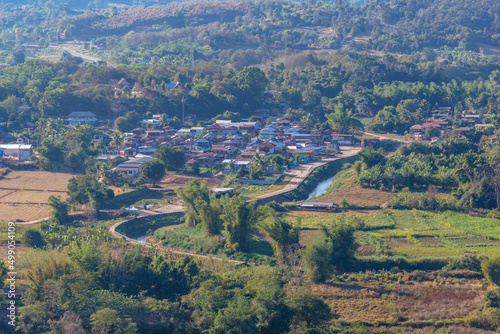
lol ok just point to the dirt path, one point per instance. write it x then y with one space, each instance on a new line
386 137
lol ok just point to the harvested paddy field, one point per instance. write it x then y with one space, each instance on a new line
176 181
24 194
404 298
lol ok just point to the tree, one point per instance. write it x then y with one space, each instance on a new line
239 220
18 57
202 206
122 125
109 321
116 138
282 235
491 270
86 190
370 157
32 238
51 154
59 211
153 170
334 253
343 121
307 307
173 159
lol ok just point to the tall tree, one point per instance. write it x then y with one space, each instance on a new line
153 170
59 209
173 159
202 206
282 235
343 121
86 190
239 220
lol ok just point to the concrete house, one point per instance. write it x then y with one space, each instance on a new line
81 117
22 152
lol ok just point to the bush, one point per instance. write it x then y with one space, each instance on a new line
32 238
491 270
388 263
492 298
468 262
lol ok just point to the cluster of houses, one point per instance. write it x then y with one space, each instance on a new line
230 144
444 120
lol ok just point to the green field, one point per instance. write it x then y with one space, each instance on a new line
412 233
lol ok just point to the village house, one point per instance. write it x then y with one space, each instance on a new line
343 139
81 117
201 144
23 139
20 151
132 167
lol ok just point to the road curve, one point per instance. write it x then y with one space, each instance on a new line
160 211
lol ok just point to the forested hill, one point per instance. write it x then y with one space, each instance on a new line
402 26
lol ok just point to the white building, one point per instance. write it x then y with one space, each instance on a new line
22 152
81 117
132 167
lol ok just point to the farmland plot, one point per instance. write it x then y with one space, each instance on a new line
24 194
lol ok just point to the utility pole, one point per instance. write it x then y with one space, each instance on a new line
183 100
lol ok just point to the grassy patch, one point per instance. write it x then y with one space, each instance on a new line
255 191
19 231
139 197
146 225
412 234
417 234
195 240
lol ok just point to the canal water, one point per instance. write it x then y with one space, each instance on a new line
321 188
142 239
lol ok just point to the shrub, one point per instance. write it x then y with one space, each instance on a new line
468 261
32 238
492 298
491 270
387 263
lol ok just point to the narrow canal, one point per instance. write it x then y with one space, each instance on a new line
321 188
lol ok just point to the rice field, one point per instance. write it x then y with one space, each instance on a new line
24 194
411 233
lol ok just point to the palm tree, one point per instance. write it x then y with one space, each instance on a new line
116 138
231 166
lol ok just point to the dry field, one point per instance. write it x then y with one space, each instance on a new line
24 194
403 303
176 181
357 195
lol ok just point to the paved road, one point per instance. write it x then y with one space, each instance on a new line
300 172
